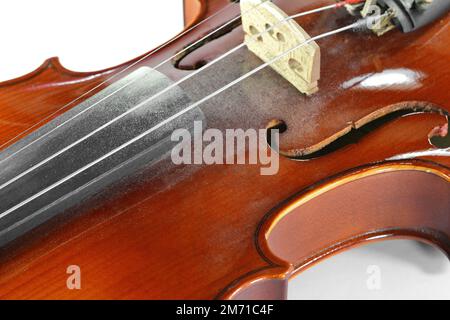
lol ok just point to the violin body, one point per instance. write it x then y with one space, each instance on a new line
225 231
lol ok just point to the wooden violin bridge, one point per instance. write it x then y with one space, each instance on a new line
269 33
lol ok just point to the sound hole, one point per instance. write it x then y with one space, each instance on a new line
439 137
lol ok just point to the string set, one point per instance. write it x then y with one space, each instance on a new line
128 67
354 25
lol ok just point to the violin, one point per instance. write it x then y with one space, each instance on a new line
264 138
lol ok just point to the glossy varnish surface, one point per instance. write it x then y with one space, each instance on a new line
201 231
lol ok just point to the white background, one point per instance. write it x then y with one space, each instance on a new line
92 35
86 35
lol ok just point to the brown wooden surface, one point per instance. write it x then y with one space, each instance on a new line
193 11
200 232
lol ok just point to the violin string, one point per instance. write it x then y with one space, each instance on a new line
127 68
354 25
165 90
332 6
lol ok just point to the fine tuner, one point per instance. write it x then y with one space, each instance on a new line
407 15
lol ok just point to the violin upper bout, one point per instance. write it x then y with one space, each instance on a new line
29 101
193 11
